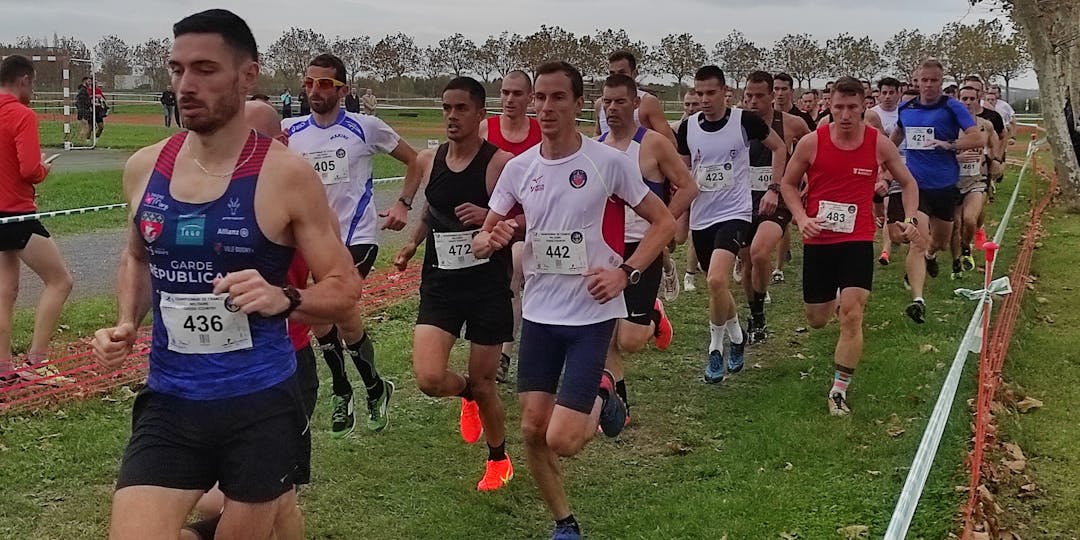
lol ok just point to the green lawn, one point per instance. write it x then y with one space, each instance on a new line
115 135
755 457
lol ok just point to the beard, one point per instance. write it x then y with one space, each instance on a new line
211 116
324 106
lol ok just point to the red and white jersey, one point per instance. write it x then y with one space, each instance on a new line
575 223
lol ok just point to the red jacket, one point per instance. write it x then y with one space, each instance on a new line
20 156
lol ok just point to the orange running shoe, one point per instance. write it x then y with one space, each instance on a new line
664 333
496 474
471 426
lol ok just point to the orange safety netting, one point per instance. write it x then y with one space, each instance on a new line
71 373
995 343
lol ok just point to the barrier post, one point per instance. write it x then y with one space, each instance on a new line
1034 167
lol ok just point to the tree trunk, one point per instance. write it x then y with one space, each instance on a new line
1048 25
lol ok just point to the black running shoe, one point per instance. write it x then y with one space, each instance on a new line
917 312
932 267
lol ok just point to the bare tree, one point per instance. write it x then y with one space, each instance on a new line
738 56
394 56
355 53
459 53
799 55
679 55
152 56
498 55
113 57
907 48
548 43
435 61
296 47
855 57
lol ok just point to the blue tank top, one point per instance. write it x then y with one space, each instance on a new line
188 246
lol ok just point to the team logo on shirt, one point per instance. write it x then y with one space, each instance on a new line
150 225
190 229
862 172
340 153
230 306
155 200
734 153
576 237
578 179
851 209
234 205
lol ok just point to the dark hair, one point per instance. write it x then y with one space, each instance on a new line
470 85
571 72
829 83
625 81
762 77
951 89
623 55
15 66
519 73
888 81
812 92
849 86
865 82
778 77
973 78
228 25
327 60
705 73
911 91
972 88
259 97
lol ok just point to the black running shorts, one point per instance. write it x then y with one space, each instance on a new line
641 298
486 313
250 445
894 211
731 235
939 203
828 268
307 376
781 216
15 236
363 257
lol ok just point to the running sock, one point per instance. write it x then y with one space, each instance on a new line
466 393
569 521
841 379
654 316
918 299
363 355
734 330
757 304
497 453
620 389
205 529
716 337
334 353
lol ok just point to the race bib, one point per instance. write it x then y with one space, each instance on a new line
332 166
760 178
716 177
970 168
559 252
204 324
454 250
839 217
919 138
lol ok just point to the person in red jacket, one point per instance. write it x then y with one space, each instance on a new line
22 166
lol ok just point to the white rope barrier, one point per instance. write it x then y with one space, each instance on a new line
935 427
90 209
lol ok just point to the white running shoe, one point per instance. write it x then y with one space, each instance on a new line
669 283
736 272
688 282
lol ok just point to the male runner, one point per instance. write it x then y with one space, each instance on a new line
974 181
22 167
340 147
935 127
513 131
767 228
691 105
574 278
649 114
995 157
808 102
784 97
215 214
659 164
456 288
840 161
887 111
715 144
1008 115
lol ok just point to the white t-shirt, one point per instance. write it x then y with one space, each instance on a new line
560 198
889 119
1005 110
341 154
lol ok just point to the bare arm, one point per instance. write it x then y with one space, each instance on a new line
970 138
897 135
793 173
673 168
661 231
874 120
651 115
397 216
596 115
889 157
795 128
483 129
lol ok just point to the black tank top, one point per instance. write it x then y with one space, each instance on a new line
445 191
760 155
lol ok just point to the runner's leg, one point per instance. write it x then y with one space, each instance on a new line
43 257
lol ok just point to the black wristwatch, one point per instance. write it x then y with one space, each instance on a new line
406 204
294 300
775 188
633 275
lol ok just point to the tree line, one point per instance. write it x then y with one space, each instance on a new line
984 48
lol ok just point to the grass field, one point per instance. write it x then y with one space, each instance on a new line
754 457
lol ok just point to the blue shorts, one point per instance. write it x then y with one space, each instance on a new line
575 354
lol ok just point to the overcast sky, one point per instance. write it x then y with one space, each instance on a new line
763 21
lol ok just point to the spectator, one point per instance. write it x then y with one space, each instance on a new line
21 167
168 106
101 109
352 102
370 102
84 108
305 109
286 104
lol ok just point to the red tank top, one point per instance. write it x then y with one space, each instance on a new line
495 136
847 178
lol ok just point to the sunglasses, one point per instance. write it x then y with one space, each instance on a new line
323 83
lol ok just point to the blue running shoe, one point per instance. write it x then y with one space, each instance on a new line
565 532
735 356
613 413
714 372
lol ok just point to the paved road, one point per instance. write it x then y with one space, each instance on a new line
92 257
